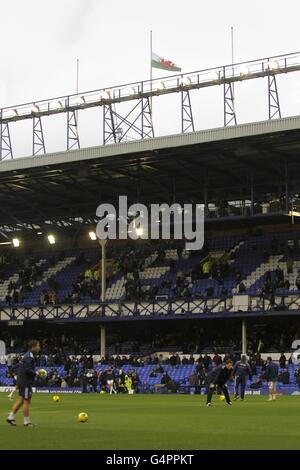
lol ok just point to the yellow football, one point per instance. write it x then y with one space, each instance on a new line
83 417
42 373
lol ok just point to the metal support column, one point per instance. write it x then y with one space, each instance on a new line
102 341
38 145
103 269
244 337
273 98
252 193
109 125
5 145
72 131
136 124
187 121
287 195
205 196
147 123
173 189
229 108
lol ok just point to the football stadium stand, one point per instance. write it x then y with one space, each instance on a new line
261 266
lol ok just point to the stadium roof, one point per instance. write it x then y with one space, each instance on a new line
224 161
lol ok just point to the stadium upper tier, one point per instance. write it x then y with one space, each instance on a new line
263 266
253 168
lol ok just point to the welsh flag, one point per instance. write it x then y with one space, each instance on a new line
164 64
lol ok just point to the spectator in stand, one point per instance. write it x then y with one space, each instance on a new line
194 381
173 361
290 265
53 284
191 359
279 275
238 277
165 381
178 359
206 362
272 303
200 363
15 296
242 288
298 281
258 383
224 293
297 376
8 300
196 272
135 381
217 360
282 361
209 290
268 277
206 269
52 297
284 377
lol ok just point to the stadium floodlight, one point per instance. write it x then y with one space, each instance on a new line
14 113
161 86
51 239
139 231
133 91
243 70
105 95
35 109
16 242
294 213
11 113
215 75
92 236
80 100
186 81
58 105
273 65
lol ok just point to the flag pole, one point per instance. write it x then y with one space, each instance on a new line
151 51
232 58
77 87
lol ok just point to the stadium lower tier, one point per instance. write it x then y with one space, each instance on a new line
180 381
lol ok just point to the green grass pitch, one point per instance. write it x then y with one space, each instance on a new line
168 422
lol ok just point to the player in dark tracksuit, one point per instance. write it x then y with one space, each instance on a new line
110 380
25 378
271 375
240 371
219 377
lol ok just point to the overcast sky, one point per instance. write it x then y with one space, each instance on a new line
41 40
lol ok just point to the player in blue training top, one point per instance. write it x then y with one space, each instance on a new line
241 371
271 375
25 379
